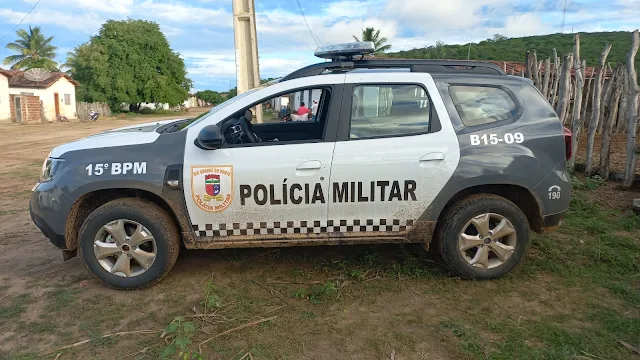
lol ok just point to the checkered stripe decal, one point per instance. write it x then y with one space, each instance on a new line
303 227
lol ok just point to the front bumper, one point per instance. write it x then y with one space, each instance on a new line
49 208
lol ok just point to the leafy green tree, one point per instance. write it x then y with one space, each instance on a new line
379 43
264 81
34 51
232 93
498 37
210 96
129 62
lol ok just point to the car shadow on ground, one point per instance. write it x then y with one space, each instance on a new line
404 259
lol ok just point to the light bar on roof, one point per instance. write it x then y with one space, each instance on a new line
346 50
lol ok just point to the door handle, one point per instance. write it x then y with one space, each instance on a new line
434 156
310 165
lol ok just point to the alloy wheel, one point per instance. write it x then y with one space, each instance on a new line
125 248
487 241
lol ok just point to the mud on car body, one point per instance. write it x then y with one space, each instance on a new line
457 156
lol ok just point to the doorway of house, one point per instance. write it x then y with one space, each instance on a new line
18 106
56 100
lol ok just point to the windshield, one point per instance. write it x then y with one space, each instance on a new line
216 109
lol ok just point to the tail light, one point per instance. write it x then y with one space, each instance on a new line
567 142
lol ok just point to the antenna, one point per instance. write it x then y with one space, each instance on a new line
37 74
564 15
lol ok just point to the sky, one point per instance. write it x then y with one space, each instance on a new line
202 30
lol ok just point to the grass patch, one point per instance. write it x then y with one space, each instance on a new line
319 293
592 253
39 326
11 307
12 211
60 298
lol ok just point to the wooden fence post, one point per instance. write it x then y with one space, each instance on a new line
595 116
576 123
622 119
536 73
632 111
564 88
547 77
556 78
606 97
587 95
607 128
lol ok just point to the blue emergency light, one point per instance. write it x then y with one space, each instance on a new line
345 51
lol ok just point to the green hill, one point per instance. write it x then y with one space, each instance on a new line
514 49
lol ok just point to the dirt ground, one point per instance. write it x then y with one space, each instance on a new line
368 302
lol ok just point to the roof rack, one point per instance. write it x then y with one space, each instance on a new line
426 66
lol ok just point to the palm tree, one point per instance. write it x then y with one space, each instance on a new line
34 51
71 62
371 34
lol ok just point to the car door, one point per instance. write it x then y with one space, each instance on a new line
396 150
269 190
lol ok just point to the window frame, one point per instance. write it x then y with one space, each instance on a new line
329 131
67 96
489 125
344 133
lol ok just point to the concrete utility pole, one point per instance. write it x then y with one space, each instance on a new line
246 41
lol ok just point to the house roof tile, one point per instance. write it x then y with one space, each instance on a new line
4 72
17 79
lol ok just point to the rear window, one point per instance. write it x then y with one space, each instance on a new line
479 105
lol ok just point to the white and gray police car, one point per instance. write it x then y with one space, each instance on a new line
454 155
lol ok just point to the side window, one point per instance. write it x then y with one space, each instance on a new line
479 105
389 110
301 105
67 99
297 116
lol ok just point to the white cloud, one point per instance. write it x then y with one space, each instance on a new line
182 13
169 30
87 22
524 25
210 64
107 6
346 8
220 67
438 15
278 67
284 29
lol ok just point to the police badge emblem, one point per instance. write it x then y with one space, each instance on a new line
212 187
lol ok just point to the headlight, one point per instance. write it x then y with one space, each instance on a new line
49 168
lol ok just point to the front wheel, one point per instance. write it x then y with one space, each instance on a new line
483 237
129 243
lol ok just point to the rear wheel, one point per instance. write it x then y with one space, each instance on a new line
129 243
483 237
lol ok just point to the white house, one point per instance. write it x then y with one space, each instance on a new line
57 93
5 109
192 101
294 100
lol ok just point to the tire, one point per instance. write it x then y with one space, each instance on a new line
476 209
130 212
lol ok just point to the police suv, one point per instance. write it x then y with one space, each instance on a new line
454 155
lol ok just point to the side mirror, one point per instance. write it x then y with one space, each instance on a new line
209 138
